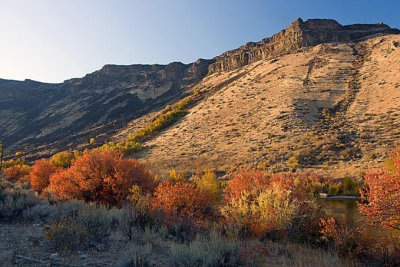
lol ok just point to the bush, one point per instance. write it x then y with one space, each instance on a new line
206 251
293 162
67 234
245 181
351 187
335 189
62 159
82 228
140 256
182 199
14 199
101 176
97 221
175 176
282 205
380 196
272 209
39 177
344 240
13 162
16 172
208 182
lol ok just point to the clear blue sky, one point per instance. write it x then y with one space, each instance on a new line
50 41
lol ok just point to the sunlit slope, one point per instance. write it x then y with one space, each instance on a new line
342 98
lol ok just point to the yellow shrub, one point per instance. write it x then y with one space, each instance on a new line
293 162
62 159
175 176
209 182
260 213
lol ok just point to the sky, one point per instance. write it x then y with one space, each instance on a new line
55 40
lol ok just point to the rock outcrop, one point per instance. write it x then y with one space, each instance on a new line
299 34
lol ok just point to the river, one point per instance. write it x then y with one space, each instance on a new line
344 209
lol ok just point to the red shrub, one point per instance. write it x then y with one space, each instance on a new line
182 199
101 176
381 196
39 177
245 181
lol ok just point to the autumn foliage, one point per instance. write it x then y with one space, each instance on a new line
101 176
381 196
39 177
245 181
16 172
258 203
182 199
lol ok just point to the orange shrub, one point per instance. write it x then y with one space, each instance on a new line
380 197
101 176
182 199
343 238
16 172
245 181
258 204
39 177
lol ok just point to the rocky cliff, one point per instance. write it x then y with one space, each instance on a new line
299 34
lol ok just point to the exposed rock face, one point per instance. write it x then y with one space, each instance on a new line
57 115
300 34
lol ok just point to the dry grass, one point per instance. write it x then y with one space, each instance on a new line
265 107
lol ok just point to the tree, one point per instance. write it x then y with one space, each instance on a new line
62 159
101 176
381 195
39 177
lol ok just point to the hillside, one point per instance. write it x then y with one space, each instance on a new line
44 118
319 93
331 106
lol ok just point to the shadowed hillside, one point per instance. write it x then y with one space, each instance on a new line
42 116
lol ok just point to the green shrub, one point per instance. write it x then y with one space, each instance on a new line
67 234
335 189
212 250
129 221
43 212
14 199
351 187
140 256
78 229
97 221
